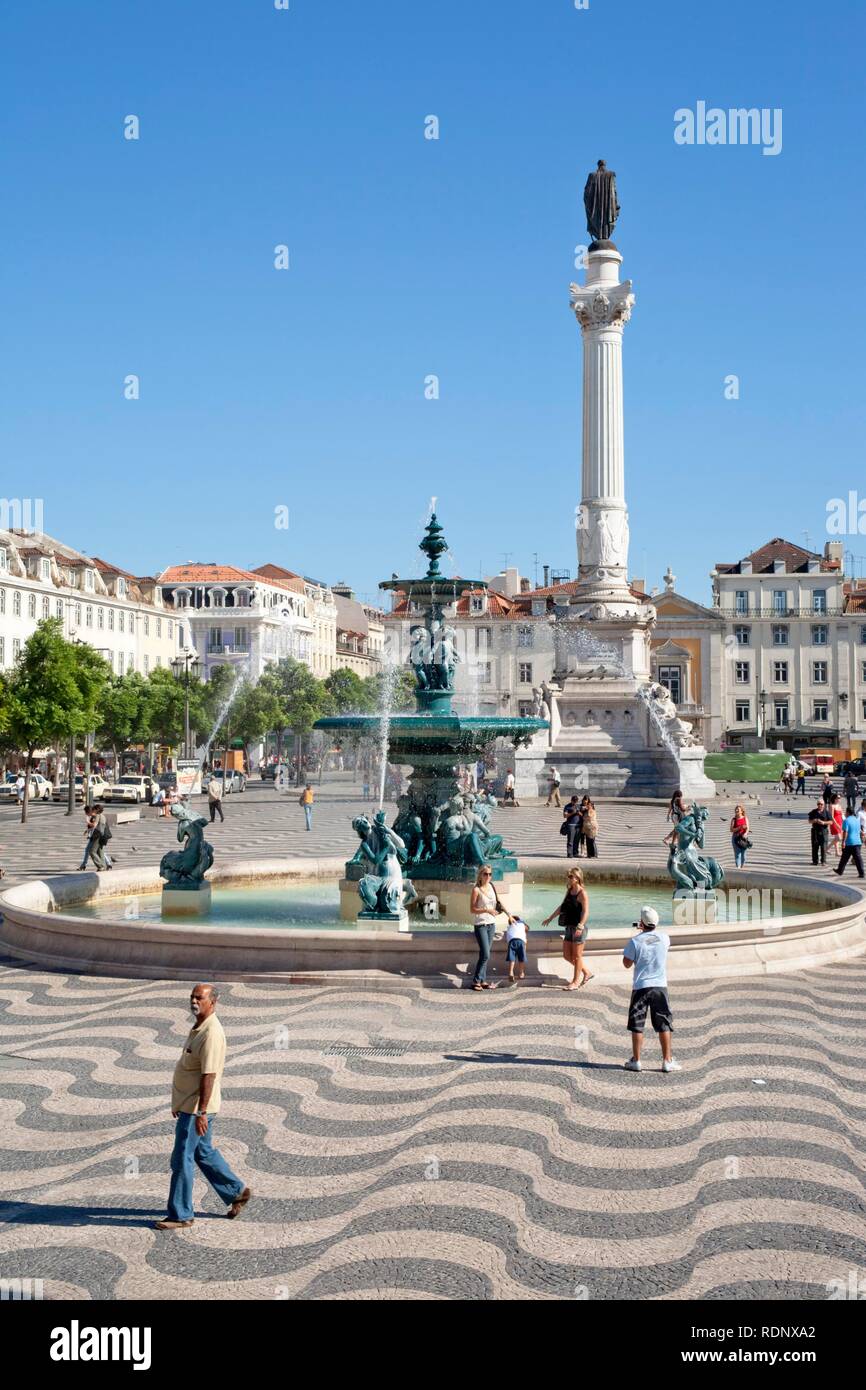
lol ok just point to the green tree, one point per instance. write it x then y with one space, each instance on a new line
54 691
347 693
255 711
123 714
302 699
163 709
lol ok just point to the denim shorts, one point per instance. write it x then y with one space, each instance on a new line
517 950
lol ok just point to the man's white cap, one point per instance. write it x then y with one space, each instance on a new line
649 917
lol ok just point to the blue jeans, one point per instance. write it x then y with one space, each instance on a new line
739 855
191 1151
484 937
308 816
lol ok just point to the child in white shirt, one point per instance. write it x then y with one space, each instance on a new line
516 938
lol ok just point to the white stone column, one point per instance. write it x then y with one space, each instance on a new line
602 306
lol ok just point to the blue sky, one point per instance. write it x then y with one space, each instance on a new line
305 388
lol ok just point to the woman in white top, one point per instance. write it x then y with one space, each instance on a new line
484 906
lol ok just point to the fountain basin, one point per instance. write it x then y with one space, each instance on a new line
40 928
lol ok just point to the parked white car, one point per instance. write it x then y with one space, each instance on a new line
96 789
40 788
234 782
129 788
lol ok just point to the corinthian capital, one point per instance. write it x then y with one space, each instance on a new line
602 308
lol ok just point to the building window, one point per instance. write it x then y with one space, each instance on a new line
780 714
214 639
88 616
146 625
482 638
4 558
130 664
819 600
146 664
16 648
671 676
121 587
863 637
16 603
742 711
159 627
819 672
120 619
863 702
477 605
60 608
525 672
46 606
44 569
2 651
820 711
743 636
780 636
741 601
2 600
242 639
111 620
743 673
780 600
484 673
780 672
120 663
88 579
819 636
524 637
78 615
863 670
100 617
31 605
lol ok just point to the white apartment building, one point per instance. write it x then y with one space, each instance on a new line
321 609
235 617
794 663
120 614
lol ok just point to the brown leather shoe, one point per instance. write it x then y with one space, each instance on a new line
168 1225
238 1204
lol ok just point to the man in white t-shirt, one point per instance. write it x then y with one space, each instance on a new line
553 794
647 953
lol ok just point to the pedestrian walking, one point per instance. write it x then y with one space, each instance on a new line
509 798
553 794
98 833
306 800
852 847
515 936
215 797
589 829
820 818
801 779
20 784
863 820
826 789
676 807
647 954
573 915
851 789
485 906
740 841
195 1103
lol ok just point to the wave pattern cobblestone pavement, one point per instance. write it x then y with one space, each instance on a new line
414 1143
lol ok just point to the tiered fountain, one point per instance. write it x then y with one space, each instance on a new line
443 832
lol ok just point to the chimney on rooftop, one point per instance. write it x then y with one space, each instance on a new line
546 575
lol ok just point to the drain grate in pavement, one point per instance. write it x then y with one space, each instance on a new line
382 1049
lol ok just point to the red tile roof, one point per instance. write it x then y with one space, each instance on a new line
795 557
219 574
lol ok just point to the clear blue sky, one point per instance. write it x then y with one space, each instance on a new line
305 388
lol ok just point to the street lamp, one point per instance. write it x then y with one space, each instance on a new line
186 667
763 699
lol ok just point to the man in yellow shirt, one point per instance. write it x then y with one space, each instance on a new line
306 800
195 1100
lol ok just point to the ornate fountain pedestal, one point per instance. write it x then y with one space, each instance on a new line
182 902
